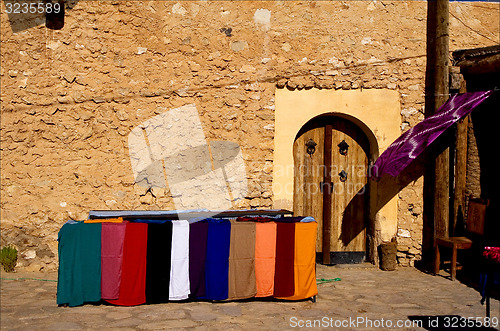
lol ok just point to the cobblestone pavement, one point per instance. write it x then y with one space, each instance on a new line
365 298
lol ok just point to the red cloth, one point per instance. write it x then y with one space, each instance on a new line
133 282
492 254
284 284
112 238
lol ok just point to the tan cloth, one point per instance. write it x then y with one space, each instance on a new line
242 261
265 258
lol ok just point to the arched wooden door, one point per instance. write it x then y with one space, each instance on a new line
330 184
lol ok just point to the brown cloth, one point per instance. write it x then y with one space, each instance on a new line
284 284
242 283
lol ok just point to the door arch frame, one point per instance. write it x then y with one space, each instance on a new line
372 155
372 140
376 111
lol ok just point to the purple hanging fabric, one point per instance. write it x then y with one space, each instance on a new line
410 144
198 234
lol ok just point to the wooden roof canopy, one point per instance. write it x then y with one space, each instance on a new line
485 60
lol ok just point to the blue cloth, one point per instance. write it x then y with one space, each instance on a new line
217 261
79 274
485 282
308 219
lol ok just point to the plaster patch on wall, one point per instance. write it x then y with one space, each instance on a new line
171 151
262 19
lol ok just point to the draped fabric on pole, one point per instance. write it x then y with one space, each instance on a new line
410 144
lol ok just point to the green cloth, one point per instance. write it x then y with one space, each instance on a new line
79 275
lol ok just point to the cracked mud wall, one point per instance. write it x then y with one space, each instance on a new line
71 97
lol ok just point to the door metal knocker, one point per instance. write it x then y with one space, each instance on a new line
343 176
311 146
343 147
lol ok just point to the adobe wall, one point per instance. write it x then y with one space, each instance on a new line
71 97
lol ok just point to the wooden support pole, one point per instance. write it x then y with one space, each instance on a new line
442 163
436 178
460 170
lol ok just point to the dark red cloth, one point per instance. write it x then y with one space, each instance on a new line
289 219
492 254
284 284
112 238
133 282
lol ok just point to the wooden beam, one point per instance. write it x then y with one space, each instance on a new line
327 194
460 169
485 65
441 88
436 176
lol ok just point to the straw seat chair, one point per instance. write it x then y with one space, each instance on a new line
474 229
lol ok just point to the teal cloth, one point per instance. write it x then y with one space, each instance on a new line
79 275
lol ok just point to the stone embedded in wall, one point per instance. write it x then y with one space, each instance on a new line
179 9
64 127
262 19
238 46
402 233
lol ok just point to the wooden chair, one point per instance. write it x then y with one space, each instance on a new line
474 227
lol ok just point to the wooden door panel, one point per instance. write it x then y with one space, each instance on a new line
348 200
348 203
308 174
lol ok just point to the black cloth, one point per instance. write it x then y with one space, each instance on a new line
158 262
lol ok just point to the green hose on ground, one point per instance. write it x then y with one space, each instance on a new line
326 280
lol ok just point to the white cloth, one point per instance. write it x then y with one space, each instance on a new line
179 287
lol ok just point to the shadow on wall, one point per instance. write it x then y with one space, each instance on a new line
386 188
24 15
485 123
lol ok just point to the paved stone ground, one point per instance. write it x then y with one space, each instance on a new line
364 295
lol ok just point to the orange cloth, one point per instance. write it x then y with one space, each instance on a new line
265 258
105 220
305 261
